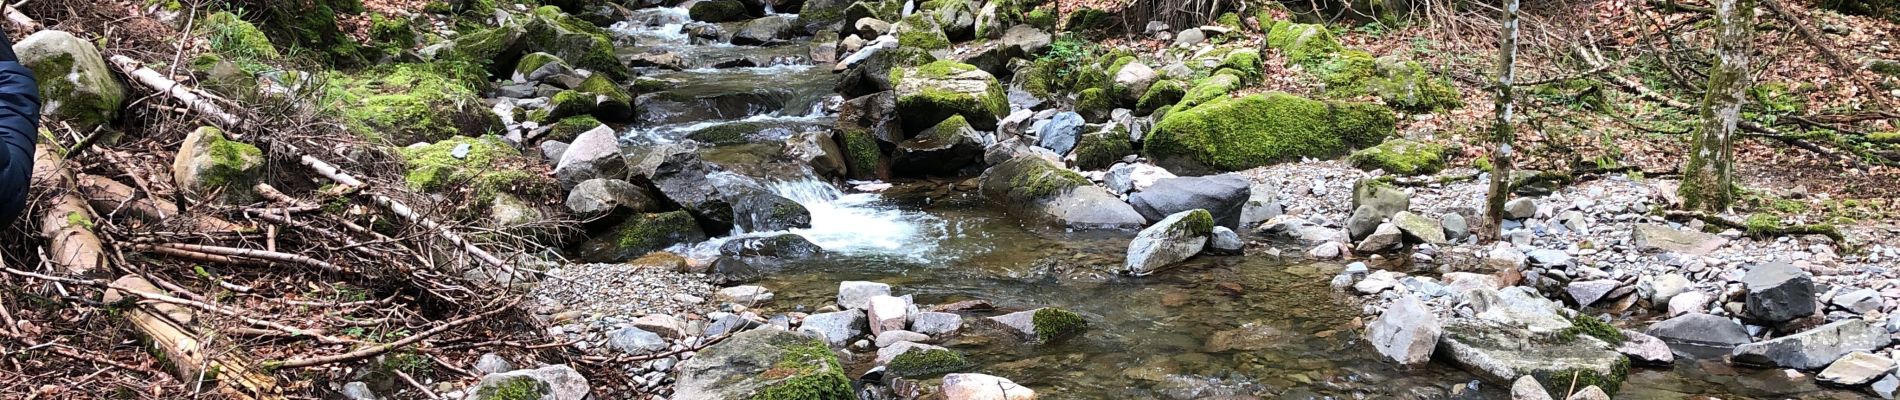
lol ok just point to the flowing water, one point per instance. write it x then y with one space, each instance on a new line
1216 326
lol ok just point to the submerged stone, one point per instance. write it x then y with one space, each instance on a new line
1172 240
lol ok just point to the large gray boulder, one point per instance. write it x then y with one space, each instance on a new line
858 294
76 84
1262 204
1518 306
635 341
1420 228
594 154
983 387
722 199
930 93
1372 203
1815 348
1134 79
1170 241
1700 331
737 368
836 328
1059 134
603 196
1502 353
943 150
1223 196
1406 333
1024 40
553 382
1034 188
1660 238
762 31
1778 292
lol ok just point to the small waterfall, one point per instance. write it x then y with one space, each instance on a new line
846 223
656 25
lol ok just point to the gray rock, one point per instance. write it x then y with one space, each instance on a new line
1221 195
1660 238
1778 292
888 313
858 294
552 150
1386 238
936 323
1856 368
1059 134
1886 386
1134 79
358 391
1455 226
1666 287
602 196
1418 227
746 294
1189 37
1700 333
723 323
983 387
553 382
594 154
1504 352
199 167
1170 241
76 85
762 31
942 150
1406 332
1687 303
1260 207
1815 348
1376 282
1645 349
1224 241
1066 200
1025 40
1860 301
1586 293
492 363
1589 393
890 337
1520 208
1526 388
836 328
1520 306
773 248
635 341
735 368
1552 258
1371 205
870 28
662 324
1125 177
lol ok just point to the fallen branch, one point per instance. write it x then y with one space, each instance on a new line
20 20
198 102
189 352
258 254
67 223
373 351
1778 230
195 256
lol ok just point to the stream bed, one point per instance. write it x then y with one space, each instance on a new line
1239 326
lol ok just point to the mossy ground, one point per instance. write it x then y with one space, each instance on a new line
484 170
568 128
406 103
516 388
1055 324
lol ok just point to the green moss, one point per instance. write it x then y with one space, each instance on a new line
653 232
514 388
1041 18
810 372
1302 43
1885 67
1162 93
232 36
79 219
1198 222
534 61
617 104
485 45
1402 157
1235 134
1593 327
649 85
1347 73
1404 85
1244 61
312 26
1760 223
411 102
1094 100
568 128
570 103
1101 149
1085 19
1208 89
1055 324
434 167
1777 97
862 153
392 31
1610 383
232 162
1884 137
918 31
935 103
921 363
1229 20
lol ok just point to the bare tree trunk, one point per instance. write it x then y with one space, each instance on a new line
1708 182
1502 132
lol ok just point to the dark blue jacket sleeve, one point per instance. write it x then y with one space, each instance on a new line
19 128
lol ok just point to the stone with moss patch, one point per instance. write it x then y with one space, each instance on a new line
75 83
764 364
1094 104
1402 84
1056 324
717 11
1232 134
1502 353
653 232
1208 89
614 102
1402 157
568 128
232 36
1163 93
489 166
863 157
1027 179
1302 43
534 61
922 363
1244 62
207 164
1101 149
943 150
920 32
407 103
545 383
930 93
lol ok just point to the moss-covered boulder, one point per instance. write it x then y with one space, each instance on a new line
1103 148
1502 353
1245 63
764 364
612 102
1043 325
1402 84
930 93
1230 134
525 69
1208 89
209 164
76 85
1162 94
919 31
311 25
1037 189
1169 241
1401 156
718 11
947 149
548 30
652 232
923 363
408 103
481 166
569 128
1302 43
550 382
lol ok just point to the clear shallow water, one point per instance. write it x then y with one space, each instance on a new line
1235 327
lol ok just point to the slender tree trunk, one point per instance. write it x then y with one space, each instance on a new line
1708 181
1502 132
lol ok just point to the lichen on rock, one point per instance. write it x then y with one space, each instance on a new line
75 83
208 163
